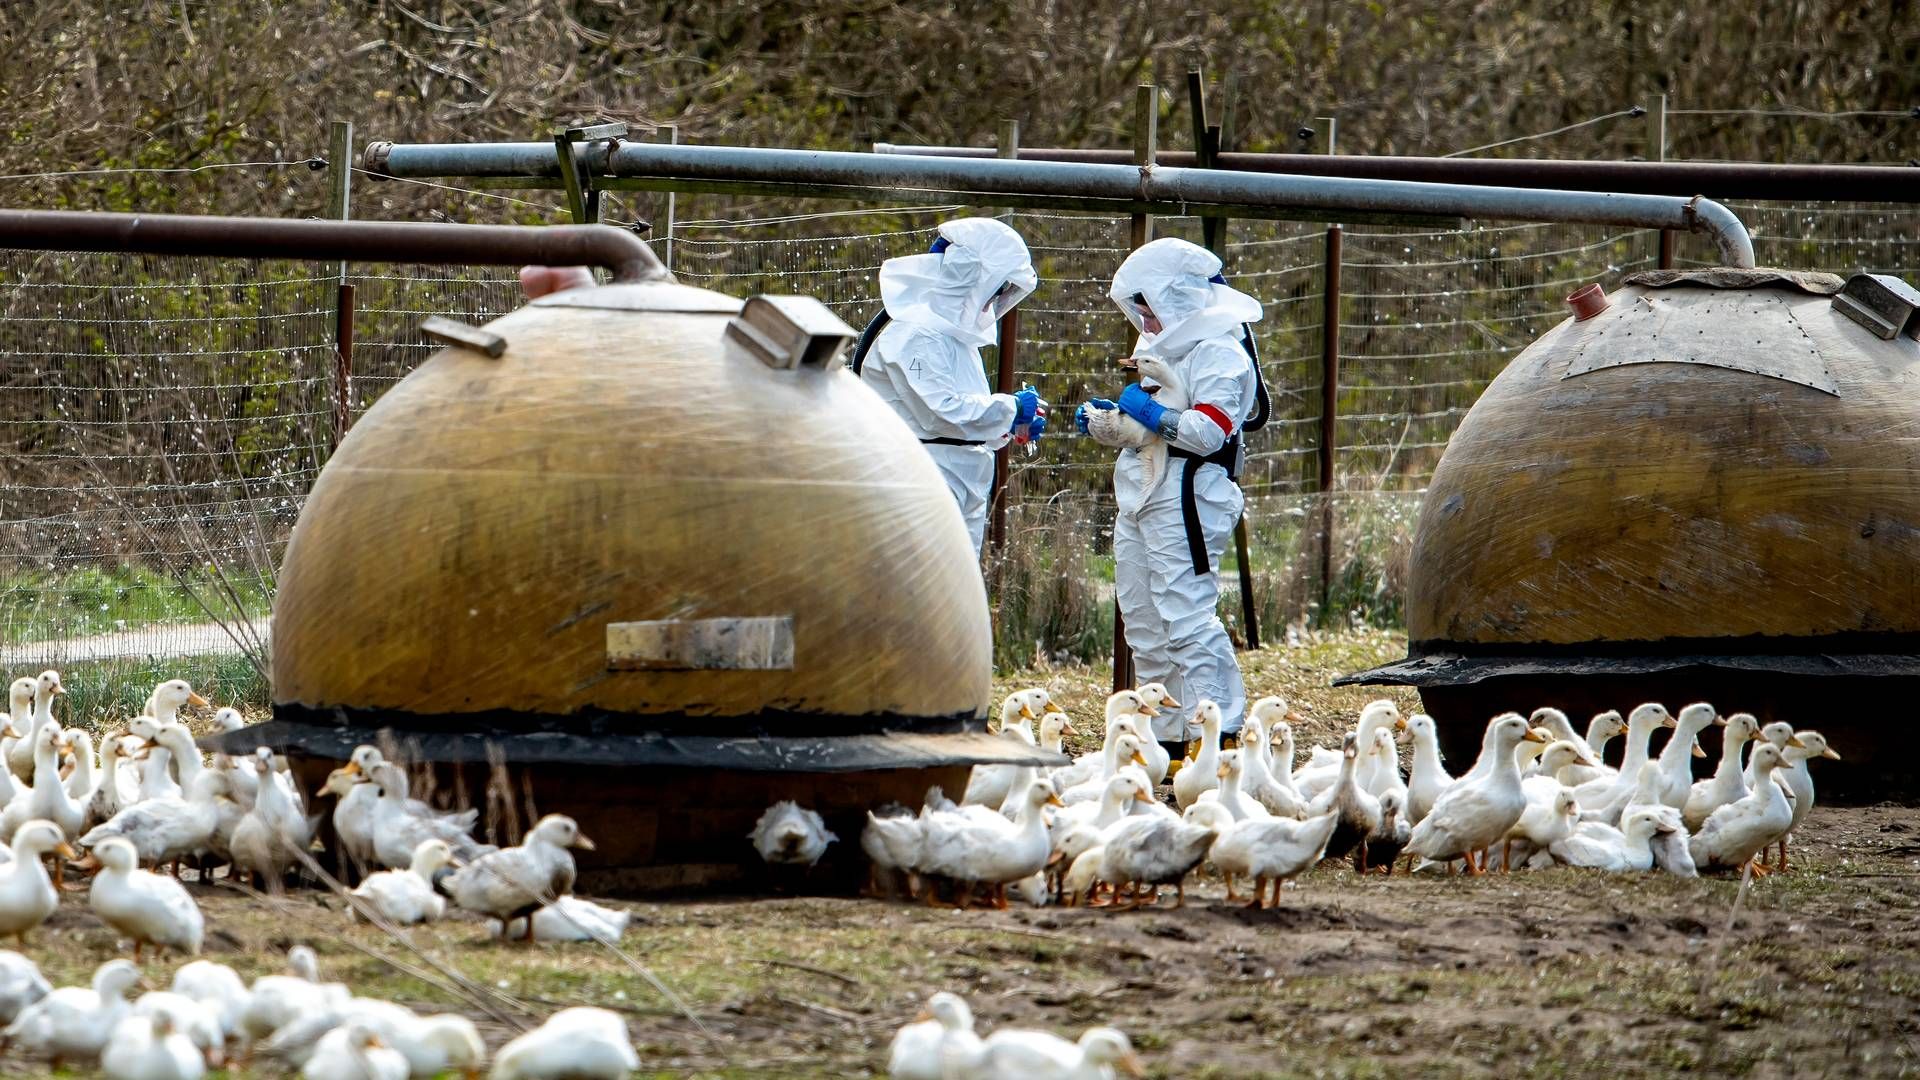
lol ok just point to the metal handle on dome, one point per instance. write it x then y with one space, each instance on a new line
622 253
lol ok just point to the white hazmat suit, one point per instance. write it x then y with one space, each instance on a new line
926 363
1166 558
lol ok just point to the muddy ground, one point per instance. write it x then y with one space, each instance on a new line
1812 973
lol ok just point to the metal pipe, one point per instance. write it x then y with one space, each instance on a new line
1160 189
1725 180
352 241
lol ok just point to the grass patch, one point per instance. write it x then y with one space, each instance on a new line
40 605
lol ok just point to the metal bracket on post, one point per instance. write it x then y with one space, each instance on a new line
1657 118
583 199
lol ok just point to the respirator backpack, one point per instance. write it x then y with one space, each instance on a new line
1231 455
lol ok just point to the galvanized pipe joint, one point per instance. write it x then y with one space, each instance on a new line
866 176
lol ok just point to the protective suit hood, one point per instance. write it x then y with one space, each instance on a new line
980 273
1178 280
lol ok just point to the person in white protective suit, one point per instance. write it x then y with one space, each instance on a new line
922 354
1166 556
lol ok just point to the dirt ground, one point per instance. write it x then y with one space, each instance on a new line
1560 973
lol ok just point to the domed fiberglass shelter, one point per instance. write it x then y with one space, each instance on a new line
664 559
1709 490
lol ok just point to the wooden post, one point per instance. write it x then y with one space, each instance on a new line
1329 386
1146 129
1658 152
1009 349
339 208
1207 145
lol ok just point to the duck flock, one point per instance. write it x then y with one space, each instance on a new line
149 799
1539 795
1095 832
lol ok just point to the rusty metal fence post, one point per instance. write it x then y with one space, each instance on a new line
1009 350
340 160
1329 389
1208 141
1146 130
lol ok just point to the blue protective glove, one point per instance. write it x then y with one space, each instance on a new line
1137 403
1037 428
1080 414
1026 405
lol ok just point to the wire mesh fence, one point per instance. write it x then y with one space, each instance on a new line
163 418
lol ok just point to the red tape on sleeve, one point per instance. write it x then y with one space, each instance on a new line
1217 417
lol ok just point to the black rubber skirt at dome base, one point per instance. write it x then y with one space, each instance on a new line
1858 698
668 810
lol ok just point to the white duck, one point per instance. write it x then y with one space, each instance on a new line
1088 766
153 765
168 829
1315 779
938 1045
21 984
1641 724
47 799
431 1045
973 850
151 1048
1038 1055
568 919
198 1023
79 782
111 794
990 785
891 840
1558 726
790 835
1601 730
1276 850
1738 831
517 881
74 1022
27 895
1084 825
574 1044
1729 781
264 841
1541 825
1203 772
1358 812
1669 845
20 759
274 1001
401 822
1126 750
1152 850
1477 812
405 897
1598 846
1271 786
1544 785
1154 698
150 909
354 1052
219 988
1779 733
1802 748
19 725
1676 765
355 800
1387 777
1115 428
1230 794
1428 776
